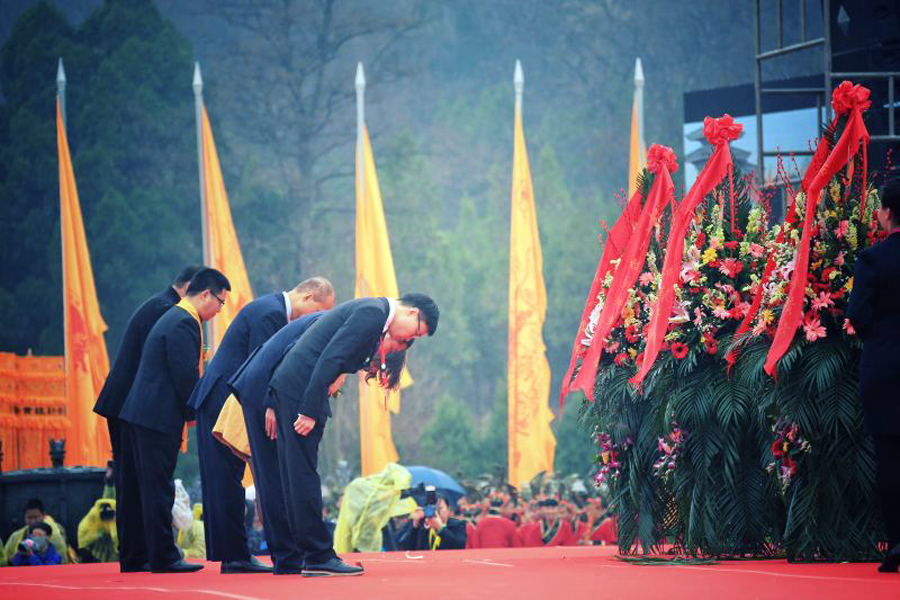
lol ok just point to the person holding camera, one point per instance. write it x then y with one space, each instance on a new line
98 539
35 512
36 549
432 528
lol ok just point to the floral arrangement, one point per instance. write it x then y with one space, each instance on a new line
787 448
669 448
607 459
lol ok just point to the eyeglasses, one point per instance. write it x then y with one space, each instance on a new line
221 302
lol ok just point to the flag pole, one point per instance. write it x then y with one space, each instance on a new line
512 441
360 83
61 96
639 97
208 333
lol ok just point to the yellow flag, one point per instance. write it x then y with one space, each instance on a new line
87 363
224 250
637 158
532 444
375 276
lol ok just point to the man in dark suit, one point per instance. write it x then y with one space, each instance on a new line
133 548
250 386
156 410
874 312
341 341
220 470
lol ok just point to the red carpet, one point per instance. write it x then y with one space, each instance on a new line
514 574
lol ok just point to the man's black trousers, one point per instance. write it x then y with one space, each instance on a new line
221 473
298 458
155 455
286 553
129 517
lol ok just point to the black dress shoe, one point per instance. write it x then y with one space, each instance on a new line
286 570
891 561
179 567
144 568
331 568
245 566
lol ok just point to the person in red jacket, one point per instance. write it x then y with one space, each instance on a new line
549 530
494 530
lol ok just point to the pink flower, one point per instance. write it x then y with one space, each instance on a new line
814 329
823 301
690 275
721 312
848 327
698 316
841 230
731 267
646 278
756 251
839 259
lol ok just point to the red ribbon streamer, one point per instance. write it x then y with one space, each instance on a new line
718 165
846 97
616 241
661 160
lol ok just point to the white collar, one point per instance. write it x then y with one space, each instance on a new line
392 304
287 306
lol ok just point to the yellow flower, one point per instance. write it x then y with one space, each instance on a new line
632 352
849 285
767 316
709 255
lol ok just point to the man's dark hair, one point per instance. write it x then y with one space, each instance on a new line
319 287
890 194
48 529
427 307
34 503
185 275
208 279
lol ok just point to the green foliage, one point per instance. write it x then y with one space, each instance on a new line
131 134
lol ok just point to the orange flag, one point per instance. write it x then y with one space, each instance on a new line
375 276
224 250
532 444
87 363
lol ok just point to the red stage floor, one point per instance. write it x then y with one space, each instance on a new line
513 574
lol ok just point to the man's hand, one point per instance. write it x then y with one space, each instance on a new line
303 425
417 517
271 424
435 523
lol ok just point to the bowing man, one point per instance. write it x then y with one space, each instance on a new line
220 470
132 548
250 386
156 410
341 341
874 312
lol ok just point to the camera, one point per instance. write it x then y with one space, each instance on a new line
430 501
107 512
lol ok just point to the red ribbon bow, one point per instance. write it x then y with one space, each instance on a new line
847 96
659 157
721 130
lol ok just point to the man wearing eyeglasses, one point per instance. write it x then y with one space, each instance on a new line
343 340
156 410
221 470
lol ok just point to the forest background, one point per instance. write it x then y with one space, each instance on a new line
279 88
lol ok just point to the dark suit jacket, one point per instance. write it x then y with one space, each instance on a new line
341 341
252 326
874 311
453 536
169 370
250 383
118 382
